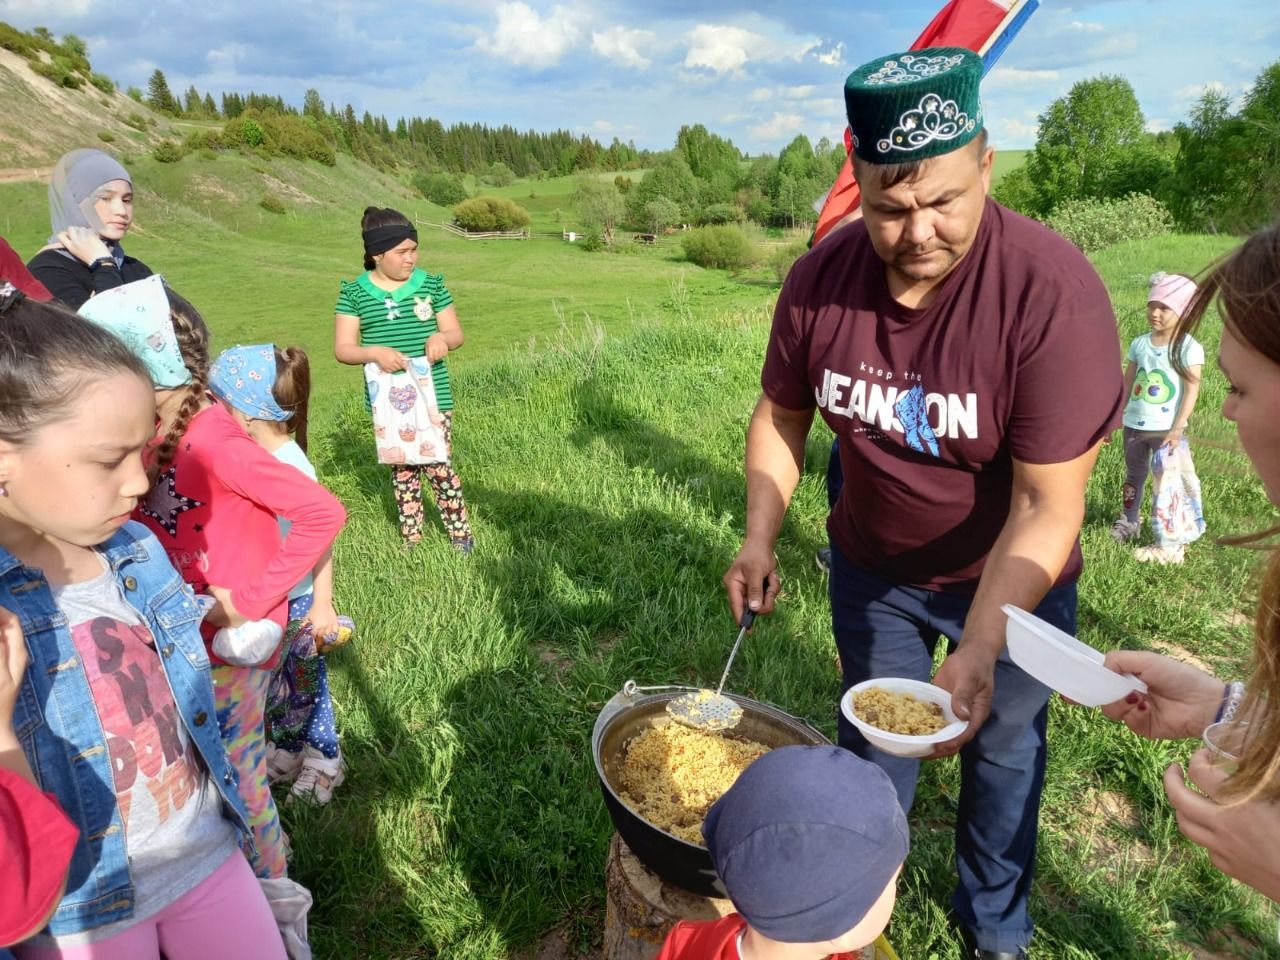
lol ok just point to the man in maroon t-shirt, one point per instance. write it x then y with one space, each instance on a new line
967 360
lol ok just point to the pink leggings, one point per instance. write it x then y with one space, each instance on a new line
225 915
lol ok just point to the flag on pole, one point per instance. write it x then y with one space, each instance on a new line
984 26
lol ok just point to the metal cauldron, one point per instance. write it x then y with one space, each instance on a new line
635 709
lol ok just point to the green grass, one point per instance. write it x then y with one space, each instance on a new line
602 405
1005 161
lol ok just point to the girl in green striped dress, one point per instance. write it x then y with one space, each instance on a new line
399 323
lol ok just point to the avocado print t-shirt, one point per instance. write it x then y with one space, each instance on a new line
1157 388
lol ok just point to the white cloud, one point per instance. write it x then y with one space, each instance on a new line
1015 78
623 45
1084 27
24 9
766 94
833 57
1010 133
1158 125
722 49
1197 90
778 128
522 37
227 54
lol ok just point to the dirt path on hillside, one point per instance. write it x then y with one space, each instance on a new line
23 174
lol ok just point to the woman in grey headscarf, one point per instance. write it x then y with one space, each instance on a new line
90 209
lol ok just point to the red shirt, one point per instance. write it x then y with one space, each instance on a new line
36 843
718 940
1017 357
15 271
214 511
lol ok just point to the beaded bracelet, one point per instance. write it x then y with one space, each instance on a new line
1232 696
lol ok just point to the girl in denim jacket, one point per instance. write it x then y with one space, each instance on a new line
115 712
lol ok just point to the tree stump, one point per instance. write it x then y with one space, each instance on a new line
640 907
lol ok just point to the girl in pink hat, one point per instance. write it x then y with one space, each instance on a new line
1155 420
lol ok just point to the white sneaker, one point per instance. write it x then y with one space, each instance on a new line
282 765
1165 556
318 778
1124 530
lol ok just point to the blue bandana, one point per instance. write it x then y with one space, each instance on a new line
138 313
243 377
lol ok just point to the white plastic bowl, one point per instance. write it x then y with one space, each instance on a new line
900 744
1063 663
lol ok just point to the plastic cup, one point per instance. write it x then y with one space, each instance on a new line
1226 741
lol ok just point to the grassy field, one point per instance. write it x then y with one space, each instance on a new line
1005 161
255 274
602 404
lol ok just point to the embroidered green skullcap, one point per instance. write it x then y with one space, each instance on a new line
912 106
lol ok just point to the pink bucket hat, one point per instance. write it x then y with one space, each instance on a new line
1174 291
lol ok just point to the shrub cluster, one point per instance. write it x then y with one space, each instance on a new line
277 135
168 151
1094 224
444 189
485 214
723 248
106 136
272 204
782 259
103 82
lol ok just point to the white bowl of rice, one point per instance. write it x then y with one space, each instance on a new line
907 718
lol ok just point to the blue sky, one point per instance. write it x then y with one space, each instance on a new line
758 73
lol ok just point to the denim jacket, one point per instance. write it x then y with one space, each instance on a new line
57 723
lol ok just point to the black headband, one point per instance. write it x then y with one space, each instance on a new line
381 239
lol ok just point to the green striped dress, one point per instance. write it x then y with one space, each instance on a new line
393 319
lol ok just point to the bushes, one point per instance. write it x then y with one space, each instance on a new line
202 140
272 204
485 214
243 132
296 137
103 82
444 189
60 70
1094 224
106 136
499 175
137 121
783 258
277 135
168 151
724 248
718 213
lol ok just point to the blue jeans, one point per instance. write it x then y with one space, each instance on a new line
884 629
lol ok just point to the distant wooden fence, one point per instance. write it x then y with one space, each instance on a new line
467 234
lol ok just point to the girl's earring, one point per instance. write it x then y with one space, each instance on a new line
3 490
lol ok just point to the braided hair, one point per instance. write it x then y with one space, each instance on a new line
193 343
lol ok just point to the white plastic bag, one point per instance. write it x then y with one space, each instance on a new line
249 644
1177 516
290 903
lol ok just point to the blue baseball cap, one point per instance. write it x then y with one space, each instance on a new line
806 841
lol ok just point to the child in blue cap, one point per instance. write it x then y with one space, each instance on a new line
808 844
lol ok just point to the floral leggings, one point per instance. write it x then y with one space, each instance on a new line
446 489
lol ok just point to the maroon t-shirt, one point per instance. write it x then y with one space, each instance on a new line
1017 357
